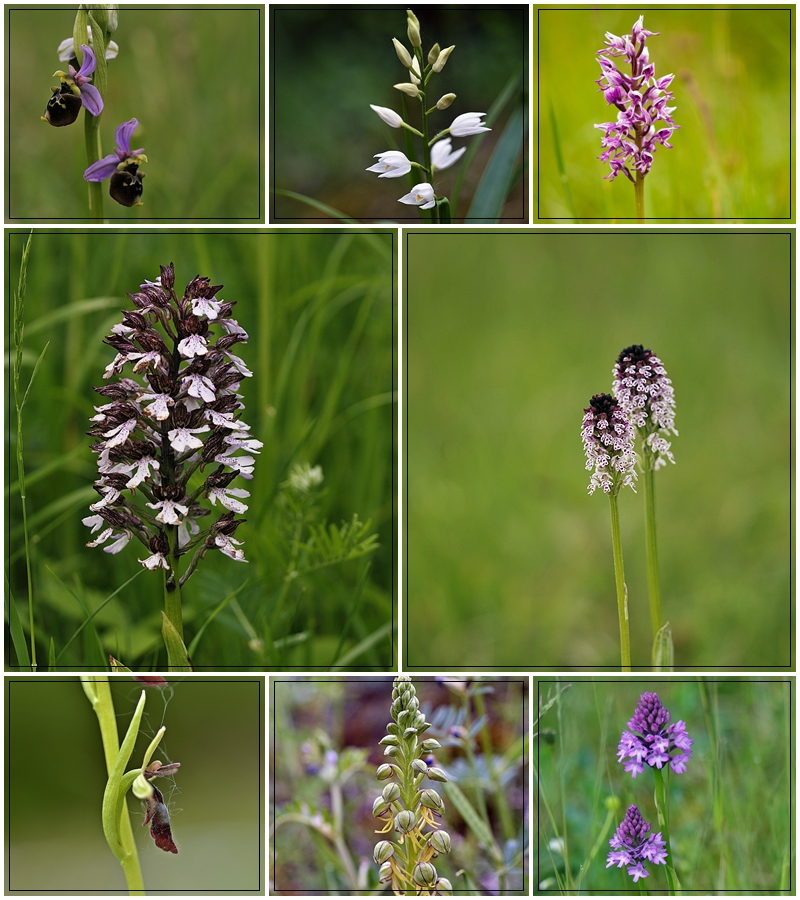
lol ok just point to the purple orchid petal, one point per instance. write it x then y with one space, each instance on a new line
89 62
103 168
91 99
124 134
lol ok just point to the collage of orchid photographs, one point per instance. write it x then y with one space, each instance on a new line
400 433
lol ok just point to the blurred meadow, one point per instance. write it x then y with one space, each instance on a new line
730 812
329 63
324 754
319 309
508 559
56 775
193 77
732 158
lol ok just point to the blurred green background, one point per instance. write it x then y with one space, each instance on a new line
329 63
508 337
730 811
318 307
732 157
352 715
56 775
194 79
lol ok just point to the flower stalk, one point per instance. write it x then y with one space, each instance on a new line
622 590
407 810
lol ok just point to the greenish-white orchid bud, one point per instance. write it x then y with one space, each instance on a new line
413 91
442 58
425 874
385 872
383 851
445 100
391 792
440 842
402 54
437 774
414 35
405 821
433 53
444 887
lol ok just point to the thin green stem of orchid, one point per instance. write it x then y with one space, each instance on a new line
98 691
426 150
638 189
622 597
172 583
663 824
653 582
337 809
84 21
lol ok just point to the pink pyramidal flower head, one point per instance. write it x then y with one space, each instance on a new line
652 740
632 846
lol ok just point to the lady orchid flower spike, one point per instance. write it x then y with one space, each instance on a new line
437 152
631 845
76 91
122 167
156 436
644 117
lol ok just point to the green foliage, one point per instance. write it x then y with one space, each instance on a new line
732 158
319 311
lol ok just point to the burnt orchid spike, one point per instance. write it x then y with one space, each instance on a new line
404 806
652 740
608 442
631 845
644 116
174 410
645 393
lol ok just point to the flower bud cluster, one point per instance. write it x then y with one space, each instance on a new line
439 154
407 808
641 101
157 436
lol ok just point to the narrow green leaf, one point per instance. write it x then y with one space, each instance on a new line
177 655
351 613
33 375
17 633
88 615
473 820
72 311
214 613
361 647
562 171
487 204
317 204
663 650
51 657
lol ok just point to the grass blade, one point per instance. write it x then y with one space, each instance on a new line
487 204
562 171
317 204
89 616
351 612
17 634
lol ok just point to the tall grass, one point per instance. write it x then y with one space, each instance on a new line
319 311
730 813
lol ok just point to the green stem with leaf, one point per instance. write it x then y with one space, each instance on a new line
622 591
663 824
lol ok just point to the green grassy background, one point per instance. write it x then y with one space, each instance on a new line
193 78
57 774
732 156
508 337
319 310
329 63
730 811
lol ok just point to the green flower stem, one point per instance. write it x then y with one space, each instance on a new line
172 583
622 596
337 808
426 150
653 582
84 22
116 820
663 825
638 187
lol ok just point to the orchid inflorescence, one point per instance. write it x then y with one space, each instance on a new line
407 808
641 102
82 87
438 152
157 436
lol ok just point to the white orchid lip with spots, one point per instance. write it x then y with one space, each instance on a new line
175 415
437 151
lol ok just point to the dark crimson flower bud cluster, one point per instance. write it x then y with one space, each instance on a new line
158 435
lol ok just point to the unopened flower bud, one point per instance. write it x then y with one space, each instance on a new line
431 744
384 772
425 874
444 101
391 792
437 774
405 821
389 739
441 59
431 799
385 872
433 53
418 765
444 887
440 841
402 54
383 852
413 29
379 807
408 88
